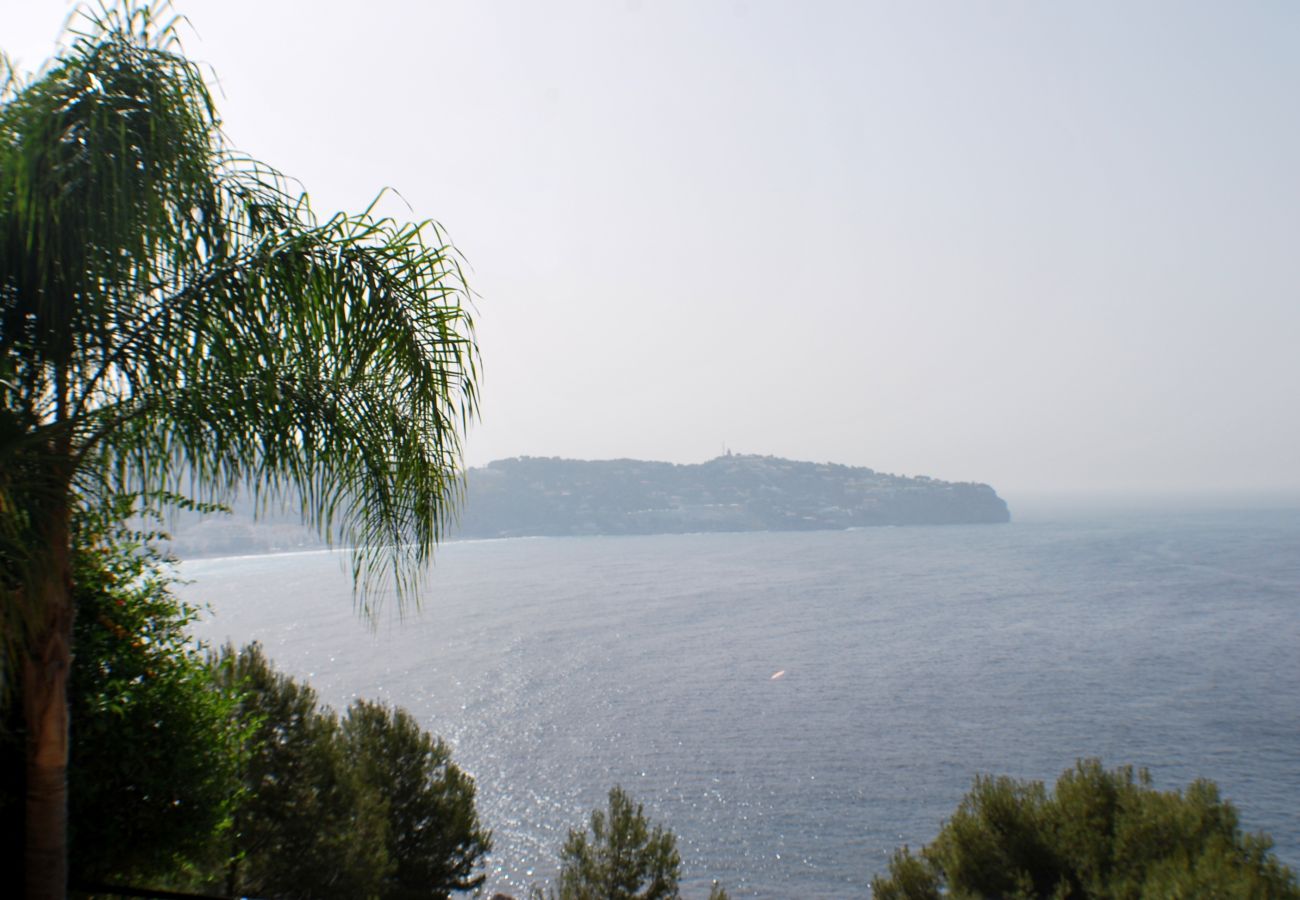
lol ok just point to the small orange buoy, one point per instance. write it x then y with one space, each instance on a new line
777 675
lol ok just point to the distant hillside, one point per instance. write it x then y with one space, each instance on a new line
531 496
538 496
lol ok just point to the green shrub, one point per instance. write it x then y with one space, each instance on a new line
623 858
1099 834
307 827
155 743
367 807
433 838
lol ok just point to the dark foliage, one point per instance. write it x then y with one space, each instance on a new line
433 840
306 826
154 756
370 807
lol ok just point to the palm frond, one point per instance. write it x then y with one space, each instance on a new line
175 317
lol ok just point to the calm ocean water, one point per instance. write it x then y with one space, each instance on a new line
914 658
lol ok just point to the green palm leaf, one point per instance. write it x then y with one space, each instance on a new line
175 318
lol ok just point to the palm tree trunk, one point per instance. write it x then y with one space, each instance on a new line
45 709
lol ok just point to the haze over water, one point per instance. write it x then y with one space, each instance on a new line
1049 246
914 658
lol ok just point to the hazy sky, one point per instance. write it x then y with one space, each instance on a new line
1047 246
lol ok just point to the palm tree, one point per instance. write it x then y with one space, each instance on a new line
175 320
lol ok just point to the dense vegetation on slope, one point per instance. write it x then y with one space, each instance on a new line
222 774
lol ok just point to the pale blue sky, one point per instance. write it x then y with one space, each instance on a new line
1048 246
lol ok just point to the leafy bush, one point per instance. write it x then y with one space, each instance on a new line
1099 834
153 767
156 745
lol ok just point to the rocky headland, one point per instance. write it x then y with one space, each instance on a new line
544 496
537 496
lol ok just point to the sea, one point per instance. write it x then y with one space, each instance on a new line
795 706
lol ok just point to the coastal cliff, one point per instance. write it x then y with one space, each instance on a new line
529 496
533 496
